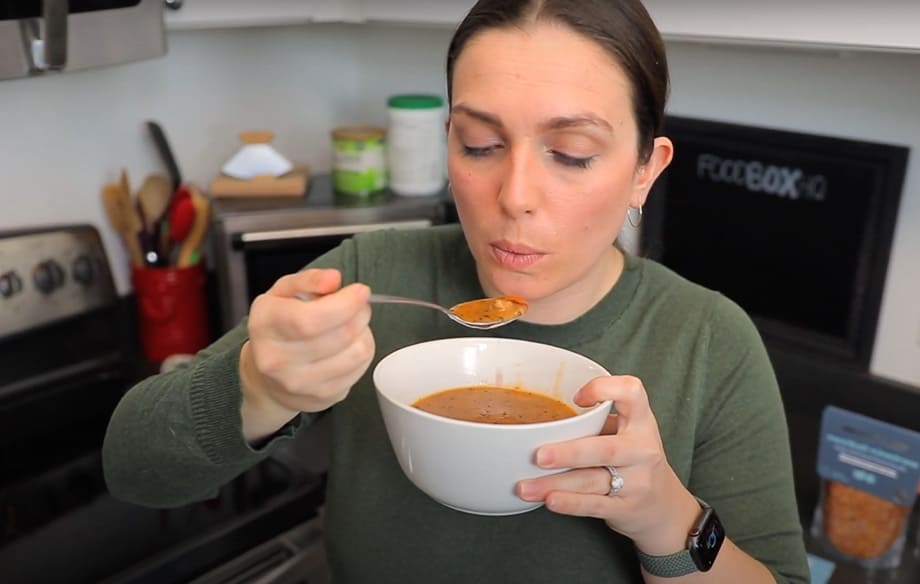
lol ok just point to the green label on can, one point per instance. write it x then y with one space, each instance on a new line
359 166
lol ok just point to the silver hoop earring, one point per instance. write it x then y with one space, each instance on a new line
629 216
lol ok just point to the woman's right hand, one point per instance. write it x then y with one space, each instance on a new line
303 356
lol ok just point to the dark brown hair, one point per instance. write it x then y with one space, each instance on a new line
622 27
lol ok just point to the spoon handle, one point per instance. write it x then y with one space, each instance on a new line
384 299
388 299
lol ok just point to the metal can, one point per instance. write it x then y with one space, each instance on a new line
359 160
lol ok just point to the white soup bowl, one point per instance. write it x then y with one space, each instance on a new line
473 466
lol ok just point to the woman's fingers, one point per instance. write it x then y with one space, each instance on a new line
329 381
620 449
310 282
595 480
627 392
578 505
294 319
327 357
308 353
331 342
631 427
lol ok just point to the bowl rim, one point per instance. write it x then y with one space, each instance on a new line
591 410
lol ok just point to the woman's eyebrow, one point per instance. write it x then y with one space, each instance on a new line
557 123
482 116
578 120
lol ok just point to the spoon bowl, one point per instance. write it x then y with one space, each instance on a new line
480 314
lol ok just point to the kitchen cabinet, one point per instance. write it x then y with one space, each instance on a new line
202 14
883 25
427 12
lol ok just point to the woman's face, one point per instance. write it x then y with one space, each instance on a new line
543 164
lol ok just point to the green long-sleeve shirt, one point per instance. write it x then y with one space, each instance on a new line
175 438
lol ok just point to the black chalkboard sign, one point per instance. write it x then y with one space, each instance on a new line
796 228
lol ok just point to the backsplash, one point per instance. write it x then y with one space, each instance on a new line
64 136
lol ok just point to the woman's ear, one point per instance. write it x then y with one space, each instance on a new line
648 172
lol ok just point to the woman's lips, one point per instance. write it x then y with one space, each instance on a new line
514 256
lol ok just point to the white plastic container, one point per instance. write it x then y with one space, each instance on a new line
416 145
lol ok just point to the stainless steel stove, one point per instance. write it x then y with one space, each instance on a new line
68 352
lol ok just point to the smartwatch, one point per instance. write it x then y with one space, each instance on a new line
703 544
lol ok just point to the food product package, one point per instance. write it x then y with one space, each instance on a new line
869 473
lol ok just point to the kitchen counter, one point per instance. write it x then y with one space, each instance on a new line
320 206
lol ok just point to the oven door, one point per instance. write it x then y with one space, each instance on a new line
37 36
256 259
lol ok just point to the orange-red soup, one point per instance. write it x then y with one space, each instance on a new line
491 309
495 405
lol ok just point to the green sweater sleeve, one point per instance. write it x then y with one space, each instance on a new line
177 437
743 422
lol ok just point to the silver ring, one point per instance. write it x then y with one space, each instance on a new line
616 481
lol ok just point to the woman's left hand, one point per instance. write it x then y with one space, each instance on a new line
653 508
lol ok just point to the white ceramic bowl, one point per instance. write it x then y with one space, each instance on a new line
472 466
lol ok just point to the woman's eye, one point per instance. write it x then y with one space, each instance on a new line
479 151
573 161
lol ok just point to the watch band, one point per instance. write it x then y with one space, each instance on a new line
703 543
670 566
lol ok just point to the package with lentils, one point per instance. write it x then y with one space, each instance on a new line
870 471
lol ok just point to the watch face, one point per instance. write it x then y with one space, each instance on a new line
705 543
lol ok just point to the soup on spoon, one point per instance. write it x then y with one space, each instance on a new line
490 310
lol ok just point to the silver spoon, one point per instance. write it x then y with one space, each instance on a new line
481 314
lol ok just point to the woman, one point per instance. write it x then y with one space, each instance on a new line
552 144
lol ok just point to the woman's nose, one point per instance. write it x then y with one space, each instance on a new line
520 191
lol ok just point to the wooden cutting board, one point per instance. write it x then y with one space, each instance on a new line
292 184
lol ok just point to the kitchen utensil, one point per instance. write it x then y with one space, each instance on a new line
166 153
125 183
481 314
124 219
181 215
152 201
191 243
178 224
161 232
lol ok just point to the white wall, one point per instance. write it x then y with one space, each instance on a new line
63 136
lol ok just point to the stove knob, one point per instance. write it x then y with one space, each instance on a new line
48 276
83 270
10 284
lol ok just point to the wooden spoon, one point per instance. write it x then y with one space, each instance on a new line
153 199
124 219
152 202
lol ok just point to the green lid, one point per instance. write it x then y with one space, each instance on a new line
415 102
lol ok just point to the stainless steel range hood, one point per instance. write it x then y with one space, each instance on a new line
42 36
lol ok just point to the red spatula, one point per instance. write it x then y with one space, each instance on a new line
181 217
